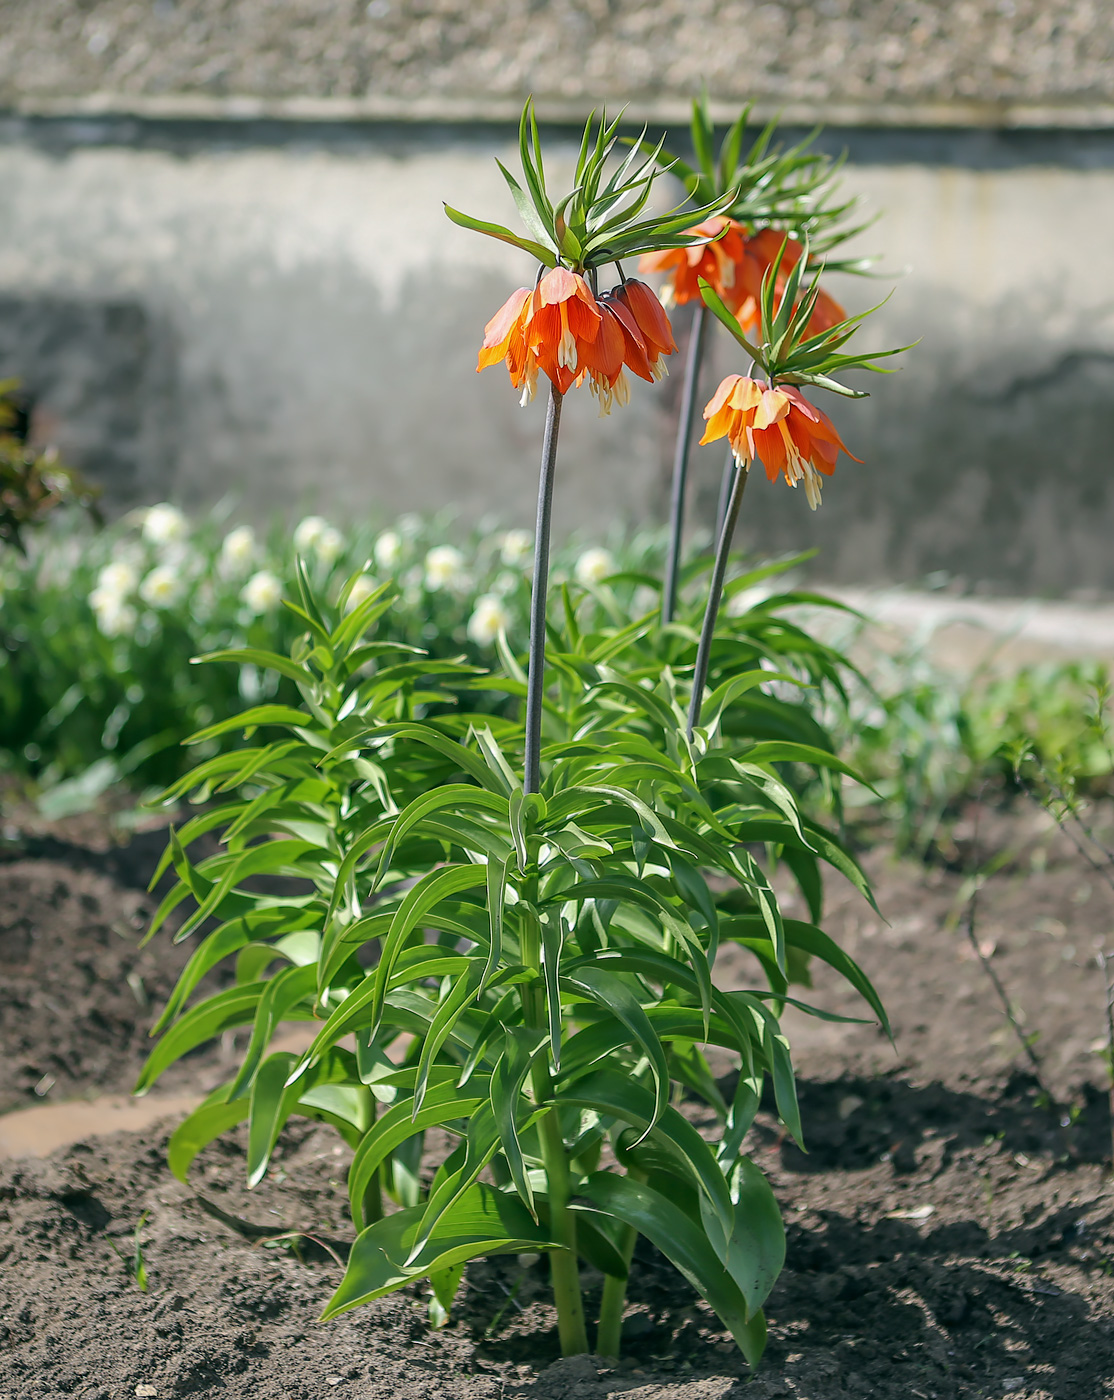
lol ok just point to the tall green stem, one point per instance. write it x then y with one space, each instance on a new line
563 1263
535 680
693 360
715 592
609 1334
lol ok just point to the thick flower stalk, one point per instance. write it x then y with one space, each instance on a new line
778 197
771 421
565 329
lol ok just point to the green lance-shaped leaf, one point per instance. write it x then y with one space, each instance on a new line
625 888
613 994
272 1102
754 1252
272 858
196 827
670 1022
444 1103
507 1079
730 690
222 943
234 1007
252 719
621 1097
481 1143
364 1008
455 796
331 1091
504 235
776 1049
464 992
496 898
445 1284
748 929
285 990
684 1244
204 1125
256 656
552 945
483 1221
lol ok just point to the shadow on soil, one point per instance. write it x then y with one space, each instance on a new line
855 1122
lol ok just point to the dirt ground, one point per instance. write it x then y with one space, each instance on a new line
949 1229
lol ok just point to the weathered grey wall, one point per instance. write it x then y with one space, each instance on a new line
284 313
989 455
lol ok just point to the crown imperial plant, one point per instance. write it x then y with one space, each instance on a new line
505 926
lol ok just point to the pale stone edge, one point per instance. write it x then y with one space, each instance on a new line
197 107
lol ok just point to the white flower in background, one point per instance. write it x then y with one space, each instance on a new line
163 524
307 532
361 590
516 547
162 587
316 536
388 550
237 551
116 580
262 592
114 618
329 545
505 583
444 568
593 566
491 616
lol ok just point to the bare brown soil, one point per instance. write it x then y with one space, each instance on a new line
949 1229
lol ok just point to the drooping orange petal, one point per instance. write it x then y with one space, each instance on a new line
720 424
501 328
722 394
635 354
770 449
557 285
649 314
772 408
604 354
747 394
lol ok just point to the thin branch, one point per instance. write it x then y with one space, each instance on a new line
991 972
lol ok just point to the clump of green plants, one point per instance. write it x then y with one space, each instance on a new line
504 921
926 739
99 628
34 483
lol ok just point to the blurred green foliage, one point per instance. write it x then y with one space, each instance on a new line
97 629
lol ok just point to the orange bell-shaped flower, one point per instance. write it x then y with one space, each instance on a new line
717 261
778 426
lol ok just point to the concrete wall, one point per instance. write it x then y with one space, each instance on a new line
282 312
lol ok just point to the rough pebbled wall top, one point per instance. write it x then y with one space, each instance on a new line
983 62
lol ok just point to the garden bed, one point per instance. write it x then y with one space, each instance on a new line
947 1236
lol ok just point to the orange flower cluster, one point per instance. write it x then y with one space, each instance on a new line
735 265
779 427
567 333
